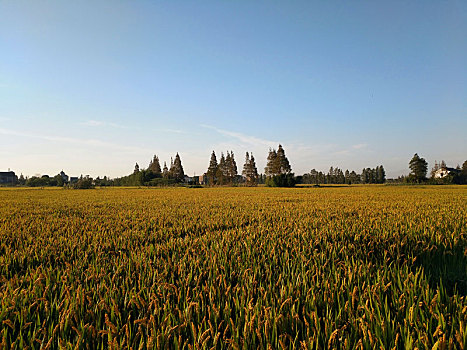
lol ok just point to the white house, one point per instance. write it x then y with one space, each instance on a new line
441 173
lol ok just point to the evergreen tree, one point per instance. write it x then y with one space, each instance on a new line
155 166
221 171
171 168
283 164
165 171
253 171
231 167
249 170
330 176
418 167
464 173
347 177
177 169
246 166
354 178
136 169
271 165
212 170
340 176
228 167
314 177
380 175
278 170
435 168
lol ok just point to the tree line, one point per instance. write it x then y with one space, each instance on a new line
277 173
440 173
338 176
154 175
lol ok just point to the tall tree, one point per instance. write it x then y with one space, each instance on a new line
418 167
380 175
246 165
435 168
464 172
271 165
177 169
278 170
165 171
222 170
212 169
347 177
253 171
250 172
136 169
231 166
155 166
283 164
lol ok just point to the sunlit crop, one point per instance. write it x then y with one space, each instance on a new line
339 267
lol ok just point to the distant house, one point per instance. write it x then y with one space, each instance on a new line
445 171
203 179
8 178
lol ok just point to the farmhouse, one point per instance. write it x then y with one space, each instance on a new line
8 178
441 173
203 179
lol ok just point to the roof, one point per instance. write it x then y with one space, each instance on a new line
7 173
448 169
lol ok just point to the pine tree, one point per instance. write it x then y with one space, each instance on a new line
221 170
271 165
253 171
418 167
283 164
136 169
278 170
155 166
228 167
434 169
212 170
249 170
165 171
380 175
232 167
246 166
177 169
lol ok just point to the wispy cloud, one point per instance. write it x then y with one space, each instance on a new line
351 150
76 141
360 146
175 131
104 124
99 123
246 139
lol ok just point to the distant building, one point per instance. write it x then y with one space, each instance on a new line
8 178
445 171
203 179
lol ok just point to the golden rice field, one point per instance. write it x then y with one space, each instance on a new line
369 267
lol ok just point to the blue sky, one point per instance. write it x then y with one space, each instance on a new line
93 87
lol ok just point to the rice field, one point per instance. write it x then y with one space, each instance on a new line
351 267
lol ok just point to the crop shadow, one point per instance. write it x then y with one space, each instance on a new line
445 266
